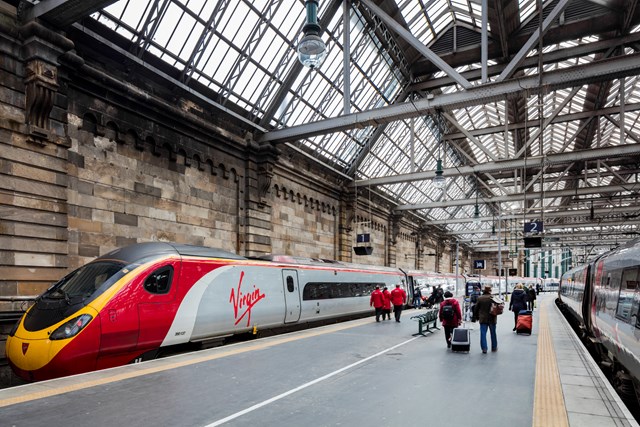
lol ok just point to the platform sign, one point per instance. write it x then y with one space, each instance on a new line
479 264
363 238
533 227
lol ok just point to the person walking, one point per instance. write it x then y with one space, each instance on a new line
482 313
532 297
450 315
398 299
417 298
386 309
377 302
519 301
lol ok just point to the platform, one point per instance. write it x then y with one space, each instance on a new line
350 374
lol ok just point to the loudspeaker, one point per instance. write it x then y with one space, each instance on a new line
363 250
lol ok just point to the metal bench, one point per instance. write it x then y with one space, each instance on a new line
427 321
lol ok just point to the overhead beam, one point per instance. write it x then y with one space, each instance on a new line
511 164
603 70
565 213
530 62
63 13
416 44
536 123
515 62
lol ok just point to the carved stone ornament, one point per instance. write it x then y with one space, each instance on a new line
265 175
41 85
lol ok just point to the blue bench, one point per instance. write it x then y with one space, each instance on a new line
427 321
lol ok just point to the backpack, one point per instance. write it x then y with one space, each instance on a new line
447 312
497 306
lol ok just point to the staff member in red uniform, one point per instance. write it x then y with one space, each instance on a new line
377 302
386 309
398 299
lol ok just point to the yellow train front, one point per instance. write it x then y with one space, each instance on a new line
89 320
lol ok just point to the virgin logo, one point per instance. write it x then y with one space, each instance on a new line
243 303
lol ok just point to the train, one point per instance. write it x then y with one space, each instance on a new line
135 302
601 299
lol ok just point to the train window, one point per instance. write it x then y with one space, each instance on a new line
290 285
159 282
317 291
628 287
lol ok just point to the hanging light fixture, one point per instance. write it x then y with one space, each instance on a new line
476 211
476 214
311 49
439 181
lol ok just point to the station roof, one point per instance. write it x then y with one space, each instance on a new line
527 128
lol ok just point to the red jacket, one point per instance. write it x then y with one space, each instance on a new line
387 299
377 299
457 313
398 296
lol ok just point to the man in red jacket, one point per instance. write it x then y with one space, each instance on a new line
377 302
398 299
450 315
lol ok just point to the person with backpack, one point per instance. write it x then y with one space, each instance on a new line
518 302
488 321
450 315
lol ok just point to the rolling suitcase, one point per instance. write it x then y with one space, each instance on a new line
524 323
461 340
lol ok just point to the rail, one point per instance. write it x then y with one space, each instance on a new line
427 321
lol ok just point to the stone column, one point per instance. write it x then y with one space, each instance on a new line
255 233
347 214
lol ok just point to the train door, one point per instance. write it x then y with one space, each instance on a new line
156 306
291 296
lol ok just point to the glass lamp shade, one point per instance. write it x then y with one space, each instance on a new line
439 181
476 215
312 51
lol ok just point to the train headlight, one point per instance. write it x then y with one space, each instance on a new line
71 328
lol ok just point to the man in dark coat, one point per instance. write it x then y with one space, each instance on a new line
518 302
454 321
482 312
532 297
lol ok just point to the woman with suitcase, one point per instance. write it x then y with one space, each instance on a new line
518 302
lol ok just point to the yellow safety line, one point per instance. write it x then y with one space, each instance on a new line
548 401
159 366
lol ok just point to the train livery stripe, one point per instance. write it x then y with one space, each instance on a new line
548 402
183 323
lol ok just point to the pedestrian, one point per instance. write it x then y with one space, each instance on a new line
450 315
532 297
519 300
386 309
377 301
482 313
398 299
417 298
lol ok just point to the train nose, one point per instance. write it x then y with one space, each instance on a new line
27 355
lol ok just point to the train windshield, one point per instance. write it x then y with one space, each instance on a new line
86 280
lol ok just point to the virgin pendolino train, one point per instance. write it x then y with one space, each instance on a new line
132 303
602 301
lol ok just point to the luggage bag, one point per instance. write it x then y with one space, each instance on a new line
525 322
461 340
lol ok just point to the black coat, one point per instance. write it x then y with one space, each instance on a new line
518 301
